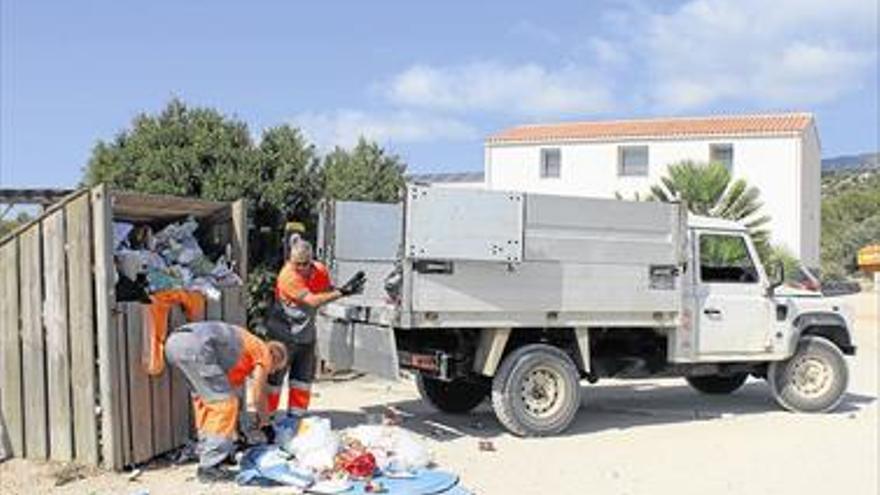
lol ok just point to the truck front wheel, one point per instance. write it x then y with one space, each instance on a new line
814 379
717 384
456 396
536 391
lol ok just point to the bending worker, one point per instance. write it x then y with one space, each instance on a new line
217 358
302 287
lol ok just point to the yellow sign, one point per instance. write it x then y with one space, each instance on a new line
869 258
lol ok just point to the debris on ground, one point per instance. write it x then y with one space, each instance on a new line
372 458
486 446
68 473
135 474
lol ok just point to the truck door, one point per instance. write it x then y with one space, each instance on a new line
734 316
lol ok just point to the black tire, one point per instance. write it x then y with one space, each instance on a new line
813 380
717 384
456 396
536 391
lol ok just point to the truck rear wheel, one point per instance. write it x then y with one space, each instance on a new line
814 379
456 396
717 384
535 391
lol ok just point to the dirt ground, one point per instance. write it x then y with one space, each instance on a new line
630 437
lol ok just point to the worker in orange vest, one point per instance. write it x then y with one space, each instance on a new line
217 358
303 285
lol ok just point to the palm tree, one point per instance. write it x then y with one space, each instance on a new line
708 190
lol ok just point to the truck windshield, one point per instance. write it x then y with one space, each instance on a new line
725 259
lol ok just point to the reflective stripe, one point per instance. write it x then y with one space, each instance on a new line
299 385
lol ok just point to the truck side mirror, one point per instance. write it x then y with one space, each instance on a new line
777 279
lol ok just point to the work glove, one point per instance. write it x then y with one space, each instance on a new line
355 284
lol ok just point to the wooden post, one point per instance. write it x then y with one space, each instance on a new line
57 342
10 348
105 299
82 329
240 237
33 356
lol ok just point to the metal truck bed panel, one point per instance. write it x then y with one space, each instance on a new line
541 287
463 224
588 230
365 231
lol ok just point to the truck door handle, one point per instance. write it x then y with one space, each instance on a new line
712 312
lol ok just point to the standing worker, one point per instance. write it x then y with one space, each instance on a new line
302 287
217 358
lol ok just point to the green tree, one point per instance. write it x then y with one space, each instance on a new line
195 152
710 190
365 173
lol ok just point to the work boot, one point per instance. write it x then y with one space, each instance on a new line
214 474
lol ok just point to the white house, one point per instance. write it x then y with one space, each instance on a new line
778 153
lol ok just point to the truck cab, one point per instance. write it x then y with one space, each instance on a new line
518 297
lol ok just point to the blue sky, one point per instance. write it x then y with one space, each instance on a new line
428 80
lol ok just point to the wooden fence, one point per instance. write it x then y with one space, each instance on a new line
71 383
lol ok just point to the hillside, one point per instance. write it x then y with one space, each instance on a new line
863 161
850 215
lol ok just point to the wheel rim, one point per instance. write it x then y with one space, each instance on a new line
541 392
811 376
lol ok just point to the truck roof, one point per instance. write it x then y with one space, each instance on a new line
701 222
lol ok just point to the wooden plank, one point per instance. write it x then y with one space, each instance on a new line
123 398
234 308
82 330
181 404
33 356
161 388
10 349
105 299
57 339
139 387
240 237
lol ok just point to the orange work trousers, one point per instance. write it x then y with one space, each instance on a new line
155 317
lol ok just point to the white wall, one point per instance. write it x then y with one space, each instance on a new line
772 164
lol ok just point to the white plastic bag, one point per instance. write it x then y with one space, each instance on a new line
395 449
315 445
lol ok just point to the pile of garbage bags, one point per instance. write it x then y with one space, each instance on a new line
148 262
308 454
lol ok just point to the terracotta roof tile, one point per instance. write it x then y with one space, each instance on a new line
657 128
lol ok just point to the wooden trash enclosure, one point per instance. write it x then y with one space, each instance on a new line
72 387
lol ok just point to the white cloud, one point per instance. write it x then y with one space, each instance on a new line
526 90
344 127
781 53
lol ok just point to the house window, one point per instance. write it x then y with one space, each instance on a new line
722 153
551 163
632 160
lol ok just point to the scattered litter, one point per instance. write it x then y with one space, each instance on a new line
486 446
135 474
69 473
330 487
374 486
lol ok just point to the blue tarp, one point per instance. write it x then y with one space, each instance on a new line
268 466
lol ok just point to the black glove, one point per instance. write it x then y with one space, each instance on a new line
355 284
269 432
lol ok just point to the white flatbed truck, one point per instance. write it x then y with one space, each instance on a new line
519 297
